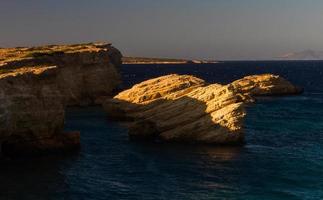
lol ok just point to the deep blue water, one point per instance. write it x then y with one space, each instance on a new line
282 159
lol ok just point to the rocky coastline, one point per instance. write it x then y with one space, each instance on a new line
186 109
36 84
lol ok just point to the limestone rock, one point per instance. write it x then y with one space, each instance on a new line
36 84
153 89
169 109
266 84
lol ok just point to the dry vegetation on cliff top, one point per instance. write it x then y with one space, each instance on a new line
8 55
22 60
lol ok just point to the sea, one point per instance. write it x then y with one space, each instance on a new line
282 157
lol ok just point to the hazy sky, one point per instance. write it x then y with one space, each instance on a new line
213 29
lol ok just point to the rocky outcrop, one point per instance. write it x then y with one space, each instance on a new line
36 84
265 85
182 108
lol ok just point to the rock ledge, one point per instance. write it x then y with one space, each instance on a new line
183 108
37 83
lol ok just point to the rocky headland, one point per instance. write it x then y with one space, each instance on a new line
36 84
144 61
183 108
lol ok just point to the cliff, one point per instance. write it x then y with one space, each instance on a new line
182 108
36 84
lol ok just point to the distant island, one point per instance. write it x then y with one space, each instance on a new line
144 60
303 55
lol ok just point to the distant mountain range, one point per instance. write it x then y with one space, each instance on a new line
303 55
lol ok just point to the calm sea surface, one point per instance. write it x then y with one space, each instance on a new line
282 159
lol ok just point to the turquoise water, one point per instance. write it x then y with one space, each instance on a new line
282 159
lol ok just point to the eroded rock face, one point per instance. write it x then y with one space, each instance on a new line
265 85
195 112
36 84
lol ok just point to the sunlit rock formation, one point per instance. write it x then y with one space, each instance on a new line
36 84
182 108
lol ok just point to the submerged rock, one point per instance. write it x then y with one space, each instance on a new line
36 84
182 108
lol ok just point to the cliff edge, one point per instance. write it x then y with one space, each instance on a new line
36 84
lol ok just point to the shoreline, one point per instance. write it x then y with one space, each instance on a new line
145 60
167 63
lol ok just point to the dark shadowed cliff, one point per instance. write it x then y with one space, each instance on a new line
36 84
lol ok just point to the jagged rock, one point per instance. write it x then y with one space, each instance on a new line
193 112
36 84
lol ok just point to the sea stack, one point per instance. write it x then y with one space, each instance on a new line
186 109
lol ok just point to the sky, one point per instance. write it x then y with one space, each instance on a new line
192 29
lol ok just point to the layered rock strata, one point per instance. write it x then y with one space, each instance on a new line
183 108
36 84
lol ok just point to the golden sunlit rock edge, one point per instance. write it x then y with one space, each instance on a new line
38 83
186 109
